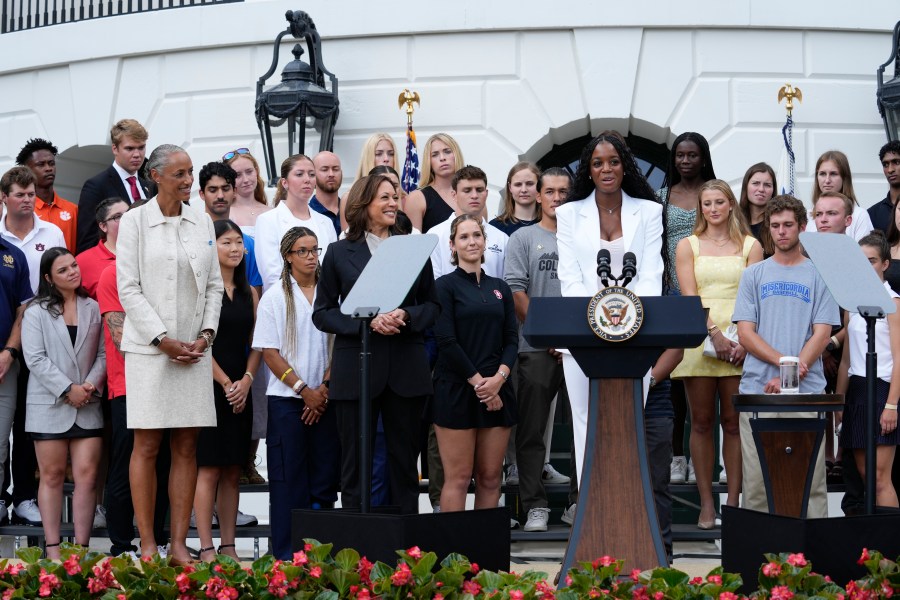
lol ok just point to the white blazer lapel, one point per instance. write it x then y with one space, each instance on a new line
631 218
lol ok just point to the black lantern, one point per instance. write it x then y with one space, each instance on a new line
301 99
889 91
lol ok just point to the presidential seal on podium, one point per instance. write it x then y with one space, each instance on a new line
615 314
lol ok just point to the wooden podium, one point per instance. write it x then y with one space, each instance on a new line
788 447
616 513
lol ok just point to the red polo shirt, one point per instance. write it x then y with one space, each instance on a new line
108 297
63 214
92 263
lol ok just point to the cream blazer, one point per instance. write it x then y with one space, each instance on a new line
55 364
145 259
578 237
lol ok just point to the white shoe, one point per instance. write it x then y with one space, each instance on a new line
537 519
568 515
27 513
163 551
723 478
193 524
512 475
132 555
551 475
678 469
691 476
100 517
244 520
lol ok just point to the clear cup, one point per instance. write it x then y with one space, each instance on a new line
790 374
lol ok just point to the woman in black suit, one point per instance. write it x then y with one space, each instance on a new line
401 377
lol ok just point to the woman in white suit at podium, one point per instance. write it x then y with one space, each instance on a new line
613 208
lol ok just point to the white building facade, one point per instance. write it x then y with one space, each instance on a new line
507 79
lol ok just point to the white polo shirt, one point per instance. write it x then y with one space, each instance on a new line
310 353
494 251
42 236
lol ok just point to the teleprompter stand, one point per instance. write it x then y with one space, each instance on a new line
382 287
616 513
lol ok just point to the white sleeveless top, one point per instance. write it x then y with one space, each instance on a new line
616 249
856 337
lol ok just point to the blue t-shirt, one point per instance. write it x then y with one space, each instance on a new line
784 302
15 286
253 276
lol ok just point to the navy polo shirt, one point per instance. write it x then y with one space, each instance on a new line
15 286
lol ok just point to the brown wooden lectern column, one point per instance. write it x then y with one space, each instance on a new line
616 511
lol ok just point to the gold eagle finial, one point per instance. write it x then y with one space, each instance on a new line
791 93
408 98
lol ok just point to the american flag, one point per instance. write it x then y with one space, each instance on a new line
410 178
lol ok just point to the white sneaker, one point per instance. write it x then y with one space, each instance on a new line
678 470
723 478
537 519
244 520
551 475
193 524
568 515
512 475
27 513
132 555
163 551
100 517
691 476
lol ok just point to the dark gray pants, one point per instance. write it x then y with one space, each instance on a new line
540 378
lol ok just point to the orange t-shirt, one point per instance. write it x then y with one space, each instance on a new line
63 214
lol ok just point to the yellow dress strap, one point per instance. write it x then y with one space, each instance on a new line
748 246
694 241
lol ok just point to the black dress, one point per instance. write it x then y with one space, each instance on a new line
229 442
436 210
476 332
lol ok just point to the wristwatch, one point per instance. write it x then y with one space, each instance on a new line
14 352
158 339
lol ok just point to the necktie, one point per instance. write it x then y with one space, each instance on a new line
135 194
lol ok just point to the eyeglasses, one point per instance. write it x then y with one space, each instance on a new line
304 252
233 153
117 217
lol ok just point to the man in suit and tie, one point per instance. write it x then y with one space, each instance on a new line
121 179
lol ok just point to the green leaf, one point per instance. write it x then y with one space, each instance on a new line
343 579
380 571
29 555
671 577
347 559
327 595
425 565
489 580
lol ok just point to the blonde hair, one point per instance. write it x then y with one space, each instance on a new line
259 194
367 158
737 225
427 174
508 214
128 127
290 326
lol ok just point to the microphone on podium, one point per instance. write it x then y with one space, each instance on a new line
629 268
604 270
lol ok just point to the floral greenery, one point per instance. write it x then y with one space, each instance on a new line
313 574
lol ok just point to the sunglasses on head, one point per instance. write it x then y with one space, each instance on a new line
233 153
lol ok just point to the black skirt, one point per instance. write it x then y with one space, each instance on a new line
455 406
75 432
853 424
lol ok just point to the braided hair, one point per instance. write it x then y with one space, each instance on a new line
634 183
287 242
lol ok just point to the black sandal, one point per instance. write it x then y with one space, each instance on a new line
225 546
202 550
50 546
